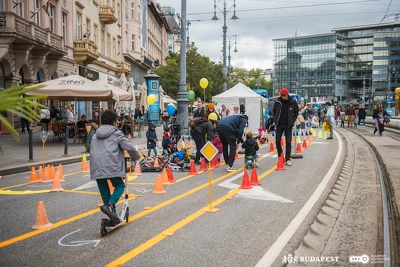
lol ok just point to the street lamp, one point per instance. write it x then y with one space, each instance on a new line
225 29
182 91
229 49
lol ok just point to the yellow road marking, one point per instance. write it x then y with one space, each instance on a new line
25 192
58 224
81 192
161 236
139 183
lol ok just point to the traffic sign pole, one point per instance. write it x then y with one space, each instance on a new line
209 151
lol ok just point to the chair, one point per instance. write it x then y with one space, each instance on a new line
78 134
56 131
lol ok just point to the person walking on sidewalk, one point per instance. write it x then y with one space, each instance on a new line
330 113
230 131
375 115
107 162
361 115
350 113
285 113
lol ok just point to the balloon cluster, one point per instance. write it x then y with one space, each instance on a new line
266 114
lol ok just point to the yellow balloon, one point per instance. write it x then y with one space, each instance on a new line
151 99
203 83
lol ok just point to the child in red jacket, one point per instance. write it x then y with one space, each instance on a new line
218 144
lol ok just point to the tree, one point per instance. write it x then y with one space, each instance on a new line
10 101
197 67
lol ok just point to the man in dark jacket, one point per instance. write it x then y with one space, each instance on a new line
285 113
200 110
201 133
230 131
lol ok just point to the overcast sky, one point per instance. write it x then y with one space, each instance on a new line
261 21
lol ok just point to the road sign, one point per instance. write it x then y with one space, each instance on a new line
209 151
308 124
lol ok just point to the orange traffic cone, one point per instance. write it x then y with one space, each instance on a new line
156 164
245 181
310 140
40 173
60 172
46 176
282 143
298 148
110 185
52 173
84 167
272 139
164 177
159 188
203 166
143 154
33 177
137 170
216 162
192 170
41 217
281 161
254 178
191 143
56 184
304 142
170 175
237 155
271 147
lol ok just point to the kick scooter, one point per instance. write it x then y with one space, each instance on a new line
123 214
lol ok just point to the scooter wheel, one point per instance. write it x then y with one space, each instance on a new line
127 214
103 227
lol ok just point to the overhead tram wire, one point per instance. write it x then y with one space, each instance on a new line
387 10
289 7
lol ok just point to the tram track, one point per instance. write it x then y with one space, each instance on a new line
321 230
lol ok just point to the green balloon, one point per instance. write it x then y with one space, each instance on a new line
215 102
190 95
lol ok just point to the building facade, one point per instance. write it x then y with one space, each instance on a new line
312 66
35 41
362 63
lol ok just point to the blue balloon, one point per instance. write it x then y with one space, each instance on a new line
266 117
266 112
171 110
318 105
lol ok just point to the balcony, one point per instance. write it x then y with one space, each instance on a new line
123 68
107 14
86 51
26 32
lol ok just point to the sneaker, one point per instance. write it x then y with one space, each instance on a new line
288 163
110 210
230 169
329 138
256 165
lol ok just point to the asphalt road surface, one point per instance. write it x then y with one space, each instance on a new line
265 222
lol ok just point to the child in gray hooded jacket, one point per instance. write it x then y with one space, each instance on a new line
107 162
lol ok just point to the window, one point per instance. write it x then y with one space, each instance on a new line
138 13
37 16
52 13
2 6
133 10
108 45
87 33
103 47
78 26
20 9
95 34
64 27
114 49
133 42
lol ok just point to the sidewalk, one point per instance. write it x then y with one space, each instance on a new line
15 156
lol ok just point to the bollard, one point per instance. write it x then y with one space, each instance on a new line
66 140
30 144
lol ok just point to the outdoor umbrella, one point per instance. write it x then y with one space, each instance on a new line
143 96
122 95
168 99
75 88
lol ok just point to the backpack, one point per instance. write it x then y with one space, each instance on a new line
196 121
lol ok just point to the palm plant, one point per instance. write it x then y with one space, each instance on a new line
25 107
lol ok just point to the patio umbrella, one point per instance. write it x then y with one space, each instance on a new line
121 105
161 96
168 99
75 88
143 96
122 95
131 104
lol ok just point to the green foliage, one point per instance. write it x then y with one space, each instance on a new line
197 67
11 101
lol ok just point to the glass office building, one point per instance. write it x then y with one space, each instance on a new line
348 64
310 65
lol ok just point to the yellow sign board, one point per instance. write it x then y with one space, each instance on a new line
209 151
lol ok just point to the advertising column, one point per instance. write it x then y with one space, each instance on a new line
153 87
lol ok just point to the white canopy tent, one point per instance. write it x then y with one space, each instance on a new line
242 94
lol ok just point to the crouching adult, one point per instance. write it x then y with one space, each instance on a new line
200 133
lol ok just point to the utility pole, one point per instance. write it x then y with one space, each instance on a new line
224 29
364 88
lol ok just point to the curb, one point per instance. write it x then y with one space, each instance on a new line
28 166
